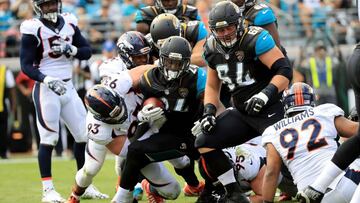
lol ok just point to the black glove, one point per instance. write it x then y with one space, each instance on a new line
259 100
208 120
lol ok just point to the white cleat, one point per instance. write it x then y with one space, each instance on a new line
51 196
93 193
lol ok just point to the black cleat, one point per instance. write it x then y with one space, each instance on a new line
309 195
236 197
206 196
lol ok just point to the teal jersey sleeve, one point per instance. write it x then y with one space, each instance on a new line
264 17
202 33
138 16
201 81
198 17
264 43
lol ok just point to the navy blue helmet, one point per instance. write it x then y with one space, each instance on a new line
50 15
299 97
132 43
106 105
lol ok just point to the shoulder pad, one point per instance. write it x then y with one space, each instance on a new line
191 12
70 18
30 26
193 68
210 51
260 15
147 82
329 110
111 66
248 41
147 13
190 31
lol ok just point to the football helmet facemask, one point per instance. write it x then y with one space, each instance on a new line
50 12
175 54
106 105
299 97
164 6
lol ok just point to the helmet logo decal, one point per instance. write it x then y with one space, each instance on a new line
176 56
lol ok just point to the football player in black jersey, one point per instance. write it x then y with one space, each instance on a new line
146 15
180 87
194 31
259 14
256 72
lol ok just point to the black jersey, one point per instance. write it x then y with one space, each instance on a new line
148 13
181 96
240 68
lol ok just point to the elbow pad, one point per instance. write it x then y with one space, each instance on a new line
282 67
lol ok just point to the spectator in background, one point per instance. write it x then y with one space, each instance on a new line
129 8
22 9
25 86
108 52
322 71
7 91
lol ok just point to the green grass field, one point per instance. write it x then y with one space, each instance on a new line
20 180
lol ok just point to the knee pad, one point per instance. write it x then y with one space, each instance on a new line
83 179
170 191
48 138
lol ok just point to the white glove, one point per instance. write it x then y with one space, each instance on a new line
196 130
61 46
55 84
150 114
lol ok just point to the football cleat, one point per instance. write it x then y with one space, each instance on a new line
309 195
92 192
236 197
51 196
152 197
73 199
191 191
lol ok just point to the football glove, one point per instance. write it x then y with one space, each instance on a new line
208 121
150 114
196 130
55 84
61 46
256 103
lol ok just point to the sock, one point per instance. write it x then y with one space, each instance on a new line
209 186
47 183
188 174
215 163
76 196
44 159
79 154
328 174
347 152
138 185
123 195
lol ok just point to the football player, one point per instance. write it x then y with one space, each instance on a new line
304 141
349 150
256 71
48 44
146 15
259 14
133 50
194 31
179 85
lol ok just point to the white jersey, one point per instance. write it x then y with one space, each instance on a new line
305 142
103 133
52 64
248 159
111 66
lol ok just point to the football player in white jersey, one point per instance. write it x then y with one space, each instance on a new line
133 50
304 140
48 44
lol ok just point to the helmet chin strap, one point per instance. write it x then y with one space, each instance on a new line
51 16
228 44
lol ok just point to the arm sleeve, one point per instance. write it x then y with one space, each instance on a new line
27 57
84 49
202 31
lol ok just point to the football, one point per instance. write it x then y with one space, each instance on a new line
156 102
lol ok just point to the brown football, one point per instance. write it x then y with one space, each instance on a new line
156 102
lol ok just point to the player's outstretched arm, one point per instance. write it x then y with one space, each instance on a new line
273 166
345 127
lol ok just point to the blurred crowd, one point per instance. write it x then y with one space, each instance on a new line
101 20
